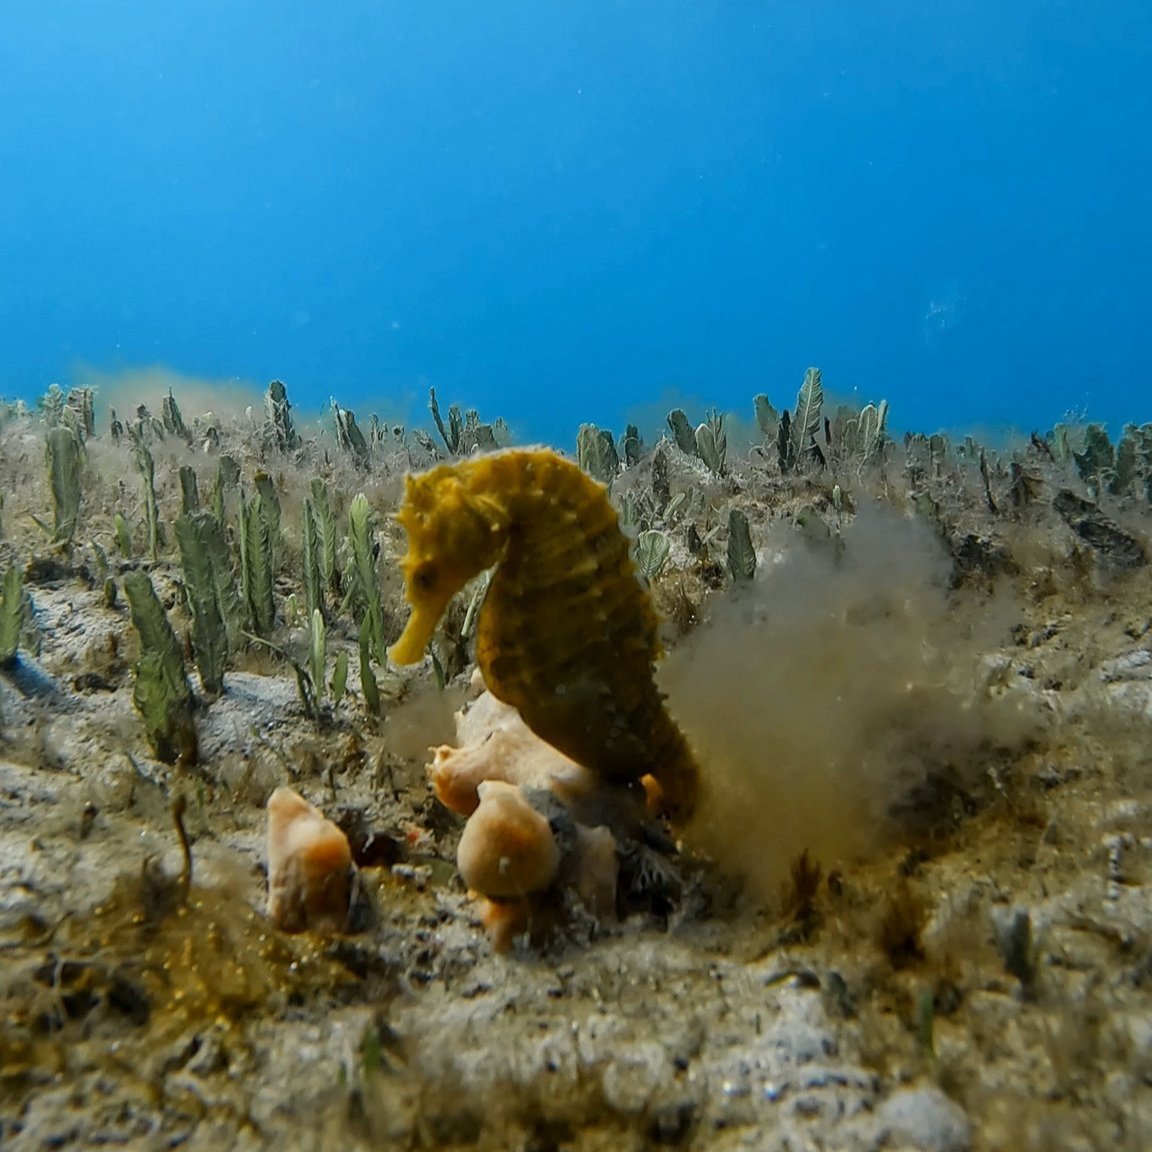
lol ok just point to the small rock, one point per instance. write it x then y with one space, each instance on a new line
634 1076
112 784
1134 665
62 741
924 1119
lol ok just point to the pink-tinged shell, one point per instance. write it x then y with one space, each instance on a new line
507 850
309 867
504 922
496 744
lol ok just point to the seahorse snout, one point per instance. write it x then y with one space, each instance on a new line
409 649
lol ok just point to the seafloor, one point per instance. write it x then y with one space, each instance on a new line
915 911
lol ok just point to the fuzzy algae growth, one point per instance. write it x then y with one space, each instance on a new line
166 958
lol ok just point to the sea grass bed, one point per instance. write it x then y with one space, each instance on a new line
913 910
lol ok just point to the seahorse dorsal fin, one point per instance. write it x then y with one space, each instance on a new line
423 495
418 493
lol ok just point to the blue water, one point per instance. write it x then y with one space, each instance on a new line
561 212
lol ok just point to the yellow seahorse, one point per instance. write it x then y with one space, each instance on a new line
566 634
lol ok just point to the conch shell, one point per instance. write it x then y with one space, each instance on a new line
539 825
508 850
310 867
494 743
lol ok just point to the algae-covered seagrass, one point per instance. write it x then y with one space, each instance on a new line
162 693
321 575
808 418
712 443
349 436
216 610
364 588
682 431
596 453
651 552
280 430
65 458
259 521
13 611
741 553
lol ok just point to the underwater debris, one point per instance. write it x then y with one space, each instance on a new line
1019 951
1024 487
799 897
900 923
371 847
310 867
974 555
1106 536
566 634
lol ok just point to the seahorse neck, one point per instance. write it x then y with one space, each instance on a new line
525 494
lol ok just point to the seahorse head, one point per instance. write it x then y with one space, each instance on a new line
454 533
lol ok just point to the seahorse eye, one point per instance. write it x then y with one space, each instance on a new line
424 578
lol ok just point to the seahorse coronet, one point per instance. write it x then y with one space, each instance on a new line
567 633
